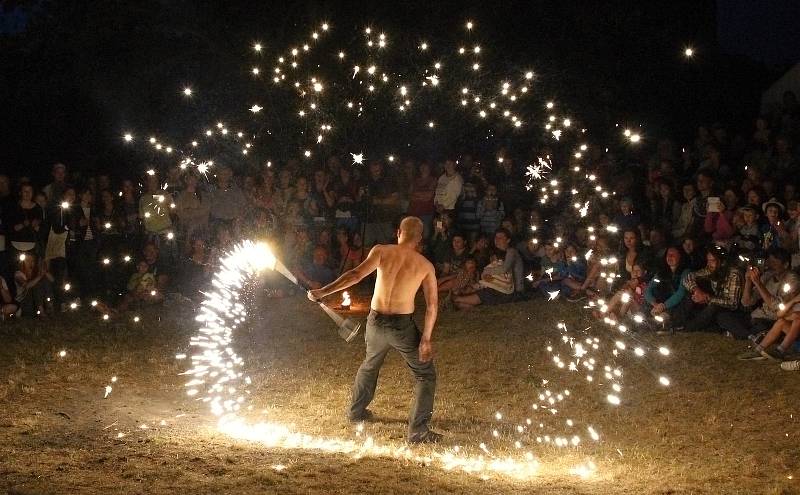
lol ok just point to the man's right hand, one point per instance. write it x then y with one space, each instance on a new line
314 295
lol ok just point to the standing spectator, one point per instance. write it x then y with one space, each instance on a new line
715 291
192 210
382 199
421 194
664 207
26 221
491 211
84 256
508 184
108 224
55 189
154 209
467 219
719 222
448 187
747 238
55 253
346 191
774 230
227 200
323 195
129 208
626 219
682 224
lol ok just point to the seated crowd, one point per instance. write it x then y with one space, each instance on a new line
701 239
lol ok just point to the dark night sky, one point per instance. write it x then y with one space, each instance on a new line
77 73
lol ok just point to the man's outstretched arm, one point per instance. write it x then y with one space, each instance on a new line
350 277
431 292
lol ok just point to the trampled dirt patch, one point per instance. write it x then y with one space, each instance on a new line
723 426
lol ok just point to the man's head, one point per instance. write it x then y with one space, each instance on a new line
778 260
410 231
59 172
449 167
224 175
502 238
375 169
626 206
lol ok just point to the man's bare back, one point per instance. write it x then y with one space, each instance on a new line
401 271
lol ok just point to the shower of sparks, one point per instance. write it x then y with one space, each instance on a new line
217 377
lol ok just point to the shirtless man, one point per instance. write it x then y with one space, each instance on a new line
401 271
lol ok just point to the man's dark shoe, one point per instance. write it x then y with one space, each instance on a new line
774 354
366 416
750 355
427 436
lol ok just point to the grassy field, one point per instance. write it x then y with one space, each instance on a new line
723 426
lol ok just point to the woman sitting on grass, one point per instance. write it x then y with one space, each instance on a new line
34 285
787 325
665 292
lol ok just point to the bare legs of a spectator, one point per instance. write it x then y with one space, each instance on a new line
789 327
468 301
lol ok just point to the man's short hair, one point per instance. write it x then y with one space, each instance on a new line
504 231
780 254
411 226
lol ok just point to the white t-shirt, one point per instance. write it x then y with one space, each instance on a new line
448 189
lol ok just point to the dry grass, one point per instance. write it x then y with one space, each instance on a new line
723 427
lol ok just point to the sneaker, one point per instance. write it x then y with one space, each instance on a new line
366 416
773 354
427 436
790 365
750 355
576 296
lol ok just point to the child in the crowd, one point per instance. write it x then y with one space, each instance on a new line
142 283
462 280
629 299
554 269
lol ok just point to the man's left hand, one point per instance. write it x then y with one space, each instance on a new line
425 350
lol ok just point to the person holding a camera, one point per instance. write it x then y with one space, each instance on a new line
767 284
